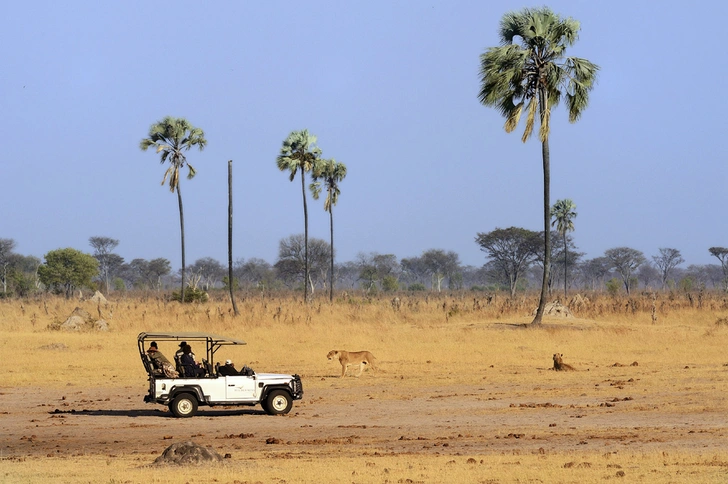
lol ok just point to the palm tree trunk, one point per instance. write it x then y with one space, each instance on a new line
230 237
331 275
545 154
305 238
566 259
182 238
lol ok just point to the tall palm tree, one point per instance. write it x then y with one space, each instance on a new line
564 212
299 152
331 173
172 137
529 69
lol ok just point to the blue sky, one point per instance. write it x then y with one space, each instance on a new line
390 89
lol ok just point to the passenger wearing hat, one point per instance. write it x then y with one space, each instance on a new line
189 364
228 369
178 354
160 362
156 356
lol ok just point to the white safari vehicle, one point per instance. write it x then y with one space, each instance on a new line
274 392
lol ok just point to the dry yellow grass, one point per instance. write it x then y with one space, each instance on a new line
285 335
576 468
429 344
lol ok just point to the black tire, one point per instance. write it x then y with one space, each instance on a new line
278 402
184 405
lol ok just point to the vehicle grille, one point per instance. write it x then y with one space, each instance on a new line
297 387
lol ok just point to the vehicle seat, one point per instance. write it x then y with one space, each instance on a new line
180 368
209 370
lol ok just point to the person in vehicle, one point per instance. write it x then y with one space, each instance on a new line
160 362
158 359
228 369
189 365
178 357
178 353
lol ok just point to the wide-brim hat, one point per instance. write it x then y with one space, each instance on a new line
183 344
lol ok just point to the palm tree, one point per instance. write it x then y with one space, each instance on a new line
529 69
331 172
564 212
299 152
172 137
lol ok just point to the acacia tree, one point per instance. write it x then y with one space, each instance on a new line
594 270
291 263
299 152
668 260
172 137
440 264
330 172
6 252
721 253
372 268
23 274
529 69
625 261
512 251
414 269
564 212
66 269
207 271
102 252
254 272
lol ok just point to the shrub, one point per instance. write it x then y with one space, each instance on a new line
192 294
613 286
390 284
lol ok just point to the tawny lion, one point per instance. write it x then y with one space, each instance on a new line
347 358
559 364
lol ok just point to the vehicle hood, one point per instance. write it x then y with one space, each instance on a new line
273 376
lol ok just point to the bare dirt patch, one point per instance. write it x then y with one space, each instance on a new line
376 415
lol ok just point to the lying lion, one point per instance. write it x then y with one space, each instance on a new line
347 358
559 364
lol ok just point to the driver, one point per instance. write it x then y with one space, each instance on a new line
228 369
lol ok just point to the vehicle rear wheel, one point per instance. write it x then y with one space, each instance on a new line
184 405
278 402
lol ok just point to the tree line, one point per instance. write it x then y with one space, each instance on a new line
514 265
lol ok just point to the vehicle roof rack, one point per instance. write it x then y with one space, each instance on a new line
213 339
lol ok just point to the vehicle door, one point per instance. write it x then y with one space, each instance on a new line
240 388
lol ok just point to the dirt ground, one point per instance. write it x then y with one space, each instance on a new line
606 410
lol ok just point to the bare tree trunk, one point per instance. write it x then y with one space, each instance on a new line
545 154
182 238
566 260
306 276
331 225
230 236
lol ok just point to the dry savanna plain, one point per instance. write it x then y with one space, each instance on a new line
464 391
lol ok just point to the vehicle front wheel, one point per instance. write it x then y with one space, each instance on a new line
184 405
278 402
